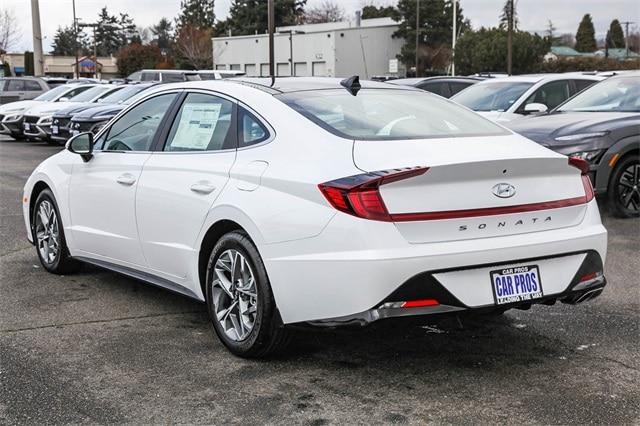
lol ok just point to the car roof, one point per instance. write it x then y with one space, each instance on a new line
536 78
299 84
417 80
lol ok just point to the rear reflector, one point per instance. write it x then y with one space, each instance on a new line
420 303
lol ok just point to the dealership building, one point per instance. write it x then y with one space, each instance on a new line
364 47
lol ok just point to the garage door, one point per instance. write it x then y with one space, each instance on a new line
319 69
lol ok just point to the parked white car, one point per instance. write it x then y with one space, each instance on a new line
12 114
38 119
512 98
318 201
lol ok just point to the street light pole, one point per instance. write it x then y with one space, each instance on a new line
38 60
417 32
453 40
271 25
75 39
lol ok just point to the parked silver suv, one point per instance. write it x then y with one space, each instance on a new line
21 88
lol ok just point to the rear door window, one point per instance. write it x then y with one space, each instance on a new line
16 86
582 84
204 123
32 85
251 130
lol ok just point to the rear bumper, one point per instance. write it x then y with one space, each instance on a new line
369 261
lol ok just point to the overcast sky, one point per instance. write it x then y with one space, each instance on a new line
533 14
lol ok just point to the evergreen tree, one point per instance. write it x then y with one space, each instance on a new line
436 28
64 42
196 13
250 16
586 35
107 37
509 13
615 36
162 34
372 11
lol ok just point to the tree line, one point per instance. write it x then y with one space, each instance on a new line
186 43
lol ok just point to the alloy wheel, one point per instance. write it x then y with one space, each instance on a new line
235 295
629 188
47 232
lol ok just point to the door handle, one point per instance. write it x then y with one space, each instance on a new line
126 179
203 188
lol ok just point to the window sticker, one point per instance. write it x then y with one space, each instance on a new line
197 123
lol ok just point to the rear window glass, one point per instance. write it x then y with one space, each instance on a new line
388 114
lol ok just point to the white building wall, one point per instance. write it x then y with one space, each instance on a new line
318 52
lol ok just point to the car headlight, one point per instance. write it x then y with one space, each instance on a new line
590 156
14 117
581 136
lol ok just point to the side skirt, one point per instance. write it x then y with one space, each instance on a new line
141 276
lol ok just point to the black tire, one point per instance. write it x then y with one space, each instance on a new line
62 263
624 187
267 335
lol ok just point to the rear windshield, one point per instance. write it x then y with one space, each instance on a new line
494 96
388 114
621 94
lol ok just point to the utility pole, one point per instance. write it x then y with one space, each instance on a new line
75 39
271 24
510 37
455 34
626 36
417 32
38 60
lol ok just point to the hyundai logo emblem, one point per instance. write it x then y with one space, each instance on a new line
504 190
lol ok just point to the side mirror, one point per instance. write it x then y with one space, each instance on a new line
82 144
535 108
63 99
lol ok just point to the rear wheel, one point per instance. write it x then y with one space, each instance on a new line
48 235
240 301
624 187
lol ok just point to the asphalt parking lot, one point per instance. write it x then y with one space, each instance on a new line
96 347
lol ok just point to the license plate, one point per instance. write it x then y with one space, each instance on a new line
54 130
27 127
516 284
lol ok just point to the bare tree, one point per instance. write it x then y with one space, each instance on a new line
9 30
194 45
327 11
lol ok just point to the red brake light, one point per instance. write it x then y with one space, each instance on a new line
583 166
579 163
359 195
420 303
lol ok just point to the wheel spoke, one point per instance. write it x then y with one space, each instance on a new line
223 282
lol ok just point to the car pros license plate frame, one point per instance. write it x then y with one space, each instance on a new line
516 284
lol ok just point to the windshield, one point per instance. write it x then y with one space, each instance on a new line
90 94
621 94
123 94
388 114
494 96
53 93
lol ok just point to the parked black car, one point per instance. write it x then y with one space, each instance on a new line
601 125
90 117
443 86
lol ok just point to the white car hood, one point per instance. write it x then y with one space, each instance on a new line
18 106
46 108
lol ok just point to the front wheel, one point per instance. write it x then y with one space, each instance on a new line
240 301
48 236
624 187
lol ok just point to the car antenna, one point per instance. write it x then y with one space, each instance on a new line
352 84
271 24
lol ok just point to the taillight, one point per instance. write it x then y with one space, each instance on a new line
583 166
359 195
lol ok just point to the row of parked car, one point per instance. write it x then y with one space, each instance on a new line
592 116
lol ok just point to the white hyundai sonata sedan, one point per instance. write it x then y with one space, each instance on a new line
319 201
